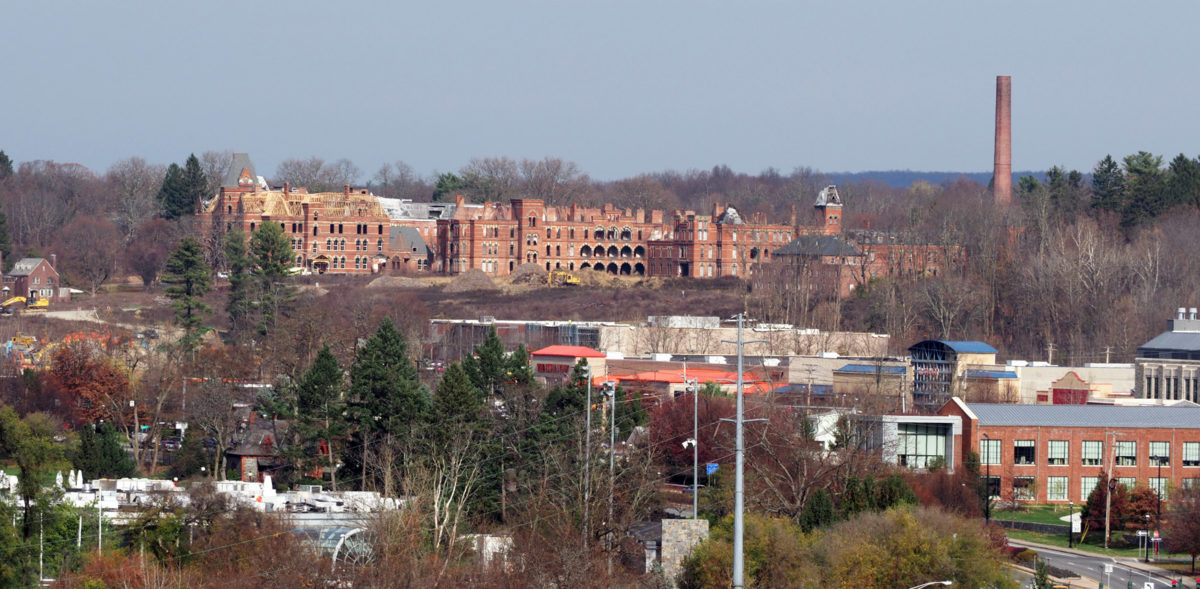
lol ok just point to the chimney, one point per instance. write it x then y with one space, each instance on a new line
1002 172
1181 313
346 190
54 261
1192 313
287 188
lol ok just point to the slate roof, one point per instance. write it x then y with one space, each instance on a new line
25 266
241 161
1180 338
409 239
729 217
872 368
1154 416
818 245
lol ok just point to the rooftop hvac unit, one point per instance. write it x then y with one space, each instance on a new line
487 320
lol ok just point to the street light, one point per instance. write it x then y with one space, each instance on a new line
1147 538
610 389
932 583
691 388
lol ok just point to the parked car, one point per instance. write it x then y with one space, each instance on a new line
171 444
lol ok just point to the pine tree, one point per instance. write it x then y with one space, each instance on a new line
384 382
488 368
518 368
6 165
1108 185
457 402
171 192
188 278
319 421
101 453
272 257
817 512
5 240
195 186
240 304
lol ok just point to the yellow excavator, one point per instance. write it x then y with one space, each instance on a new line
11 306
559 277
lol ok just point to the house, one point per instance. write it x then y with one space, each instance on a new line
256 445
35 278
553 364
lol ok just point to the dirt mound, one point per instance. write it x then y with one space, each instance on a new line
473 279
395 282
528 274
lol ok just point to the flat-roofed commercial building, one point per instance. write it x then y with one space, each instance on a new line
1057 453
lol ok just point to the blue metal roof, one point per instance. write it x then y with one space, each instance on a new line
872 369
968 347
991 374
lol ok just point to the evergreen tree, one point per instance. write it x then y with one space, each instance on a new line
1183 187
5 240
384 383
630 412
319 421
190 456
188 278
172 192
240 304
519 371
195 186
457 402
447 186
101 453
1145 187
488 367
1108 185
6 165
817 512
272 256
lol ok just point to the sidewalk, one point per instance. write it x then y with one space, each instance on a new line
1133 563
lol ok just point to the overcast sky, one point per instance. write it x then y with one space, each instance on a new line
618 87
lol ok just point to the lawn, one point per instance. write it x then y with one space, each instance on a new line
1042 514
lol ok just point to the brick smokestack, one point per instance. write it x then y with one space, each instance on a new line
1002 172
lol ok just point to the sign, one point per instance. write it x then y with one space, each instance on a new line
1077 526
1156 534
710 468
1141 533
1107 569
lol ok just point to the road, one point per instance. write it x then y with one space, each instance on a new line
1093 567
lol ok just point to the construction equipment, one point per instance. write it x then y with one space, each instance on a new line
559 277
12 305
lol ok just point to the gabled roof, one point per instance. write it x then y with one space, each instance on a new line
828 196
1154 416
25 266
241 161
818 245
569 352
408 239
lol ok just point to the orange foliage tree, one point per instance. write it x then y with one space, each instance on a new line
98 388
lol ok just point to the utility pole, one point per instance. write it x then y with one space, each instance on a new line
587 459
1050 354
610 389
691 387
1110 485
739 492
1107 353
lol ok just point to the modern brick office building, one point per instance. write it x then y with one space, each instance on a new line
1056 453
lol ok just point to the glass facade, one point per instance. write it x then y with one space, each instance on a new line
919 444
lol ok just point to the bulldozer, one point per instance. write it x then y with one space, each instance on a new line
558 277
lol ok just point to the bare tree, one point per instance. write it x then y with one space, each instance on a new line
215 165
135 183
91 246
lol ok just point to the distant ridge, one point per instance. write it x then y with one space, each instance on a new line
905 178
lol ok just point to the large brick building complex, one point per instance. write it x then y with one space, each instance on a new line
356 232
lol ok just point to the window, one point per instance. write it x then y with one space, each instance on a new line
1086 486
1191 453
1159 486
1024 452
1188 483
1160 454
1058 453
989 452
993 485
1056 488
1126 453
1128 482
1023 488
1092 453
919 444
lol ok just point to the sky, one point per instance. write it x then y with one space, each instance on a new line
618 87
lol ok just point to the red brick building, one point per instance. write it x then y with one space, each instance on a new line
1056 453
34 278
